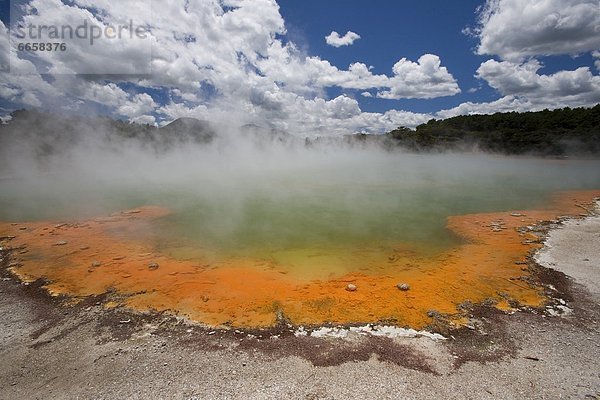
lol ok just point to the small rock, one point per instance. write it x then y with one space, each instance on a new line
84 247
96 264
153 266
403 286
117 258
61 243
433 313
351 287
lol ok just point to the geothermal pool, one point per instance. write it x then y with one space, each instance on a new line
241 241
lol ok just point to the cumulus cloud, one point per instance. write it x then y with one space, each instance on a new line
230 61
339 116
523 88
334 39
568 88
522 31
27 88
424 79
85 52
213 60
596 55
504 104
515 29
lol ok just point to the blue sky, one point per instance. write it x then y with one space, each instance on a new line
268 62
391 30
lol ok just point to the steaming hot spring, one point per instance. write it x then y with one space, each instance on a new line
245 235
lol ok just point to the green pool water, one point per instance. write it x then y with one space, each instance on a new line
293 207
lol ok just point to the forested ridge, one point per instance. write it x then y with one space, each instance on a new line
560 132
557 132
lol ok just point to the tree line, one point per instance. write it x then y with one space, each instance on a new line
566 131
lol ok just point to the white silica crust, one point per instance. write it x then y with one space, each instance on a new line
574 249
368 330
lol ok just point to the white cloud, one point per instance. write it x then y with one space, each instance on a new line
567 88
334 39
144 119
339 116
217 59
226 60
126 55
137 105
176 110
504 104
515 29
596 55
524 89
518 31
424 79
29 89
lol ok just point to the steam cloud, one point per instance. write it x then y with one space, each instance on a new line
256 187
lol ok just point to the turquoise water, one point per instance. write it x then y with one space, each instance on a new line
276 204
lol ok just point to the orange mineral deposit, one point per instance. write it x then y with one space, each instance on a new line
112 254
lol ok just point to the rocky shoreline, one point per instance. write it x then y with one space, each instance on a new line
52 348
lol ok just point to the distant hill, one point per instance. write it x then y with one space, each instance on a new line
189 128
264 136
559 132
567 131
47 134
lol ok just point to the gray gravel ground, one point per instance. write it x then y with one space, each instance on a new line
573 249
85 352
